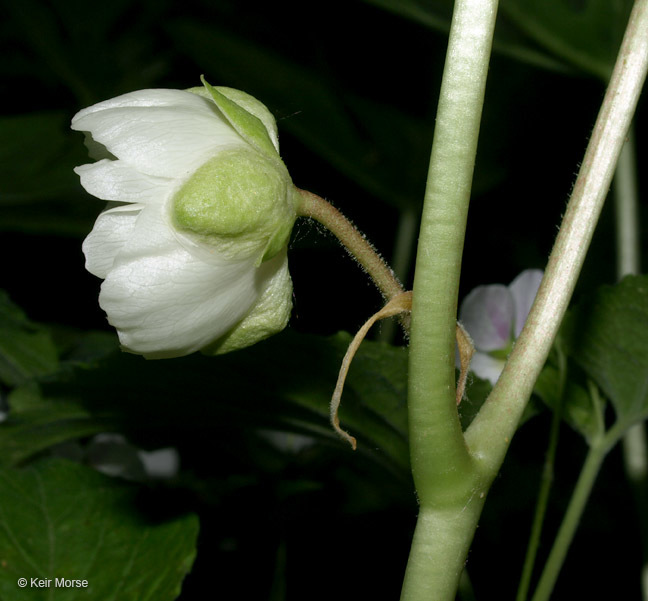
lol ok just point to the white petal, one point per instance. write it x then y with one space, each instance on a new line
116 180
109 235
166 301
487 314
152 235
139 98
487 367
524 289
161 140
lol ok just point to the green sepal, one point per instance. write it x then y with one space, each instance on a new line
269 316
247 125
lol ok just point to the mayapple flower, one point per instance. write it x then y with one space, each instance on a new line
192 245
494 316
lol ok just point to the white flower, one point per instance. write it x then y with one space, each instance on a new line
494 316
192 245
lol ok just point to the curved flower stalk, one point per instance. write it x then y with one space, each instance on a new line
192 245
494 316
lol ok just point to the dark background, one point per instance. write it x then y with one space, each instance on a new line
354 91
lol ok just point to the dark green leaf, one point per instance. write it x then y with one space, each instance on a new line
607 335
578 408
585 33
63 520
37 154
477 391
26 350
35 424
284 383
509 40
40 191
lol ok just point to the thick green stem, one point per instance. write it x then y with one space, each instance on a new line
440 459
441 542
448 486
490 433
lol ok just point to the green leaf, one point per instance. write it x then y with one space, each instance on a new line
578 408
40 191
35 424
37 154
26 350
284 383
63 520
585 33
509 39
477 391
607 335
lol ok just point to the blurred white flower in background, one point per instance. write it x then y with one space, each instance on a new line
113 455
192 245
494 316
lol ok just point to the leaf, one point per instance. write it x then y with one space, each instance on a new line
37 154
509 39
40 191
26 350
284 384
477 391
62 520
578 408
585 33
607 335
28 353
35 424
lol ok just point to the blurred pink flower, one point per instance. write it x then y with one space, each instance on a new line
494 316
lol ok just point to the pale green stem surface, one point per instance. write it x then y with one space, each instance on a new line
597 452
440 459
626 205
635 447
545 484
489 435
449 489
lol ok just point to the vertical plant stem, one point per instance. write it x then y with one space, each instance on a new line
447 484
635 447
440 459
593 461
439 548
545 485
490 433
626 204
